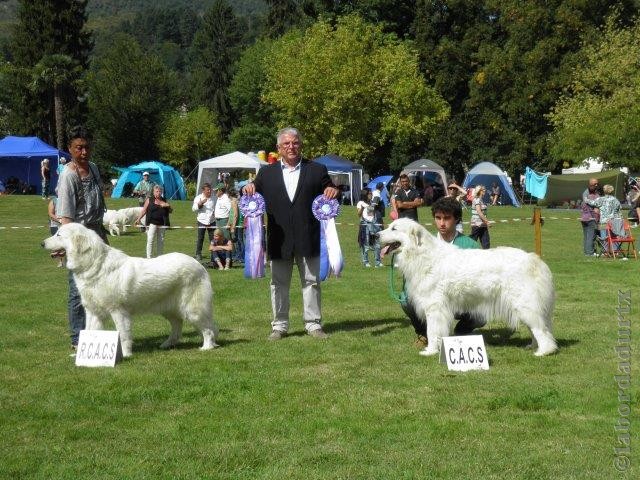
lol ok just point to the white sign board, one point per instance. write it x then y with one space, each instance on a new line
464 353
98 348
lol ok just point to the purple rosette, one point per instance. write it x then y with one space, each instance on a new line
324 208
252 207
331 260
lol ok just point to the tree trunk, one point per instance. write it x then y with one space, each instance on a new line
58 113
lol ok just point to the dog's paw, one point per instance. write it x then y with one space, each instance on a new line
428 352
209 347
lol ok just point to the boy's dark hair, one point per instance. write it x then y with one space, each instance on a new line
79 132
447 205
379 186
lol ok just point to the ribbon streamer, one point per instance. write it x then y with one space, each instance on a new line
331 259
252 206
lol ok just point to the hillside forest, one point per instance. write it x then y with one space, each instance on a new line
544 84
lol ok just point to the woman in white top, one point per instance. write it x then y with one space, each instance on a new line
479 220
368 228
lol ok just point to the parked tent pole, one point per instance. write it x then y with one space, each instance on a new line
537 229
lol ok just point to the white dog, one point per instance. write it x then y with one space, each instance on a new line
443 280
114 221
130 215
113 284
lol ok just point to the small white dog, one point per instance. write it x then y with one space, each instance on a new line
114 221
113 284
443 280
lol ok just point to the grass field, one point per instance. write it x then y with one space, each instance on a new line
360 405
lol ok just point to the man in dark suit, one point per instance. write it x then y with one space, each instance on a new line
289 187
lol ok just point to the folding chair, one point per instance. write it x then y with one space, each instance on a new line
619 234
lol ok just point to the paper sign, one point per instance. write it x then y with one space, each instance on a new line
464 353
98 348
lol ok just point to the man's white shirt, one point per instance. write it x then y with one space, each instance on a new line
291 177
204 213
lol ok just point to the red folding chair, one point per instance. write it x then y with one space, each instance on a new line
616 243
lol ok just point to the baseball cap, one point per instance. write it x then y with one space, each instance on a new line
145 173
219 186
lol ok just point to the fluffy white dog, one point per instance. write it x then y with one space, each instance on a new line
130 216
113 284
114 221
443 280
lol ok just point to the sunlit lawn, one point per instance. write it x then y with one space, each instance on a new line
362 404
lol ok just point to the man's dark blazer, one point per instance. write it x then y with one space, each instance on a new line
291 227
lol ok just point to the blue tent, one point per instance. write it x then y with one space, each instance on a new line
486 173
340 167
20 157
162 174
384 179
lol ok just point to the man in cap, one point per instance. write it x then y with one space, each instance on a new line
144 188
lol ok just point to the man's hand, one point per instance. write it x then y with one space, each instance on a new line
331 192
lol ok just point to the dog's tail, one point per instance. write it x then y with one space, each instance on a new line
198 303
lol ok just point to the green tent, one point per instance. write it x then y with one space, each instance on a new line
566 188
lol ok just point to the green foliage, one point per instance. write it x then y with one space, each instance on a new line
5 101
188 137
341 86
52 74
600 114
283 16
130 92
46 29
502 64
215 49
255 130
168 32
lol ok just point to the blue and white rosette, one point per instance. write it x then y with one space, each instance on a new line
252 206
331 260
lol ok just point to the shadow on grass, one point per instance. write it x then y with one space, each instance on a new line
348 325
503 337
191 340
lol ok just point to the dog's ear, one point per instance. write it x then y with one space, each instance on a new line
80 243
417 233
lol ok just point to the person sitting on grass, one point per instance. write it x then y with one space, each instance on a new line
220 248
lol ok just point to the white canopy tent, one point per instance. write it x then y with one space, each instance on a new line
208 169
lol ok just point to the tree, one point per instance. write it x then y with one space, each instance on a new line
502 64
168 32
188 137
599 116
129 95
282 16
351 89
48 31
53 73
254 117
214 52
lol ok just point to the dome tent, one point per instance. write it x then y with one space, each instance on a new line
428 169
486 173
161 174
